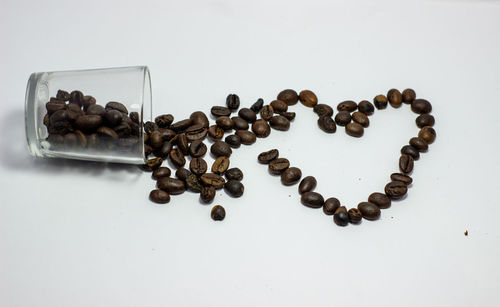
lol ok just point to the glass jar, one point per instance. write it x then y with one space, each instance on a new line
95 115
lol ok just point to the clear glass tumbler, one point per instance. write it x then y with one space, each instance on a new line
95 115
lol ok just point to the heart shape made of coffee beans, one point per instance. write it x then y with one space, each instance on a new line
174 141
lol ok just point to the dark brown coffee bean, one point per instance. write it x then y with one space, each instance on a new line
177 157
246 137
220 111
181 125
150 127
196 132
288 115
107 132
182 143
123 130
164 150
215 132
261 128
380 102
425 120
401 177
207 194
63 95
113 105
182 173
366 107
279 122
266 112
88 123
395 189
233 102
428 134
214 180
198 166
224 122
76 96
171 185
233 140
165 120
70 140
218 213
343 118
268 156
199 118
327 124
312 200
421 106
152 164
308 98
307 184
369 211
361 119
55 106
257 105
355 215
82 139
419 144
193 183
411 151
155 139
279 106
395 98
239 123
323 110
331 205
234 188
341 217
134 116
409 95
291 176
197 149
234 174
220 148
74 113
88 101
354 129
380 200
112 118
161 172
406 164
159 196
278 165
58 116
46 120
348 105
290 97
220 165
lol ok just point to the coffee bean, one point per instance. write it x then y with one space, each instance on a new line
409 95
87 123
343 118
197 149
55 140
246 137
366 107
55 106
165 120
63 95
348 105
199 118
152 164
268 156
224 122
323 110
93 141
171 185
207 194
181 125
369 211
182 143
75 107
261 128
214 180
279 106
288 115
406 164
312 200
196 132
279 122
308 98
331 205
60 116
123 130
266 112
278 165
395 98
291 176
361 119
155 139
395 189
198 166
161 172
220 111
193 183
233 140
76 96
70 140
290 97
46 120
354 129
149 127
215 132
428 134
233 102
425 120
401 177
182 173
380 200
218 213
82 139
87 101
341 217
113 105
177 157
220 165
355 215
307 184
220 148
239 123
421 106
159 196
327 124
134 116
419 144
164 150
234 188
257 105
234 174
380 102
112 118
411 151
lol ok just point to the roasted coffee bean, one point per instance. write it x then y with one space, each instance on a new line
159 196
233 140
74 114
60 127
266 112
380 200
107 132
220 165
113 105
279 122
165 120
331 205
419 144
112 118
406 164
233 102
239 123
279 106
55 106
395 98
290 97
218 213
76 96
409 95
366 107
213 180
411 151
234 174
181 125
428 134
278 165
197 149
182 173
380 102
401 177
361 119
395 189
341 217
46 119
63 95
134 116
343 118
257 105
327 124
215 132
234 188
288 115
150 127
88 101
323 110
171 185
155 139
261 128
95 109
55 140
220 148
164 150
58 116
312 200
177 157
193 183
268 156
421 106
182 143
161 172
291 176
355 215
307 184
196 132
369 211
93 141
348 105
123 129
425 120
82 139
70 140
198 166
224 122
220 111
199 118
207 194
354 129
308 98
152 164
88 123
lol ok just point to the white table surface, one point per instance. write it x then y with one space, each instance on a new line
80 234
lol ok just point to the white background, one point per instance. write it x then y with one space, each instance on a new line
83 234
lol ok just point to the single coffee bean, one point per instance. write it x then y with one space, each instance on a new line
323 110
234 188
261 128
308 98
159 196
233 102
395 98
207 194
279 122
123 130
171 185
406 164
380 199
177 157
182 173
266 112
220 165
380 102
331 205
220 111
341 217
112 118
361 119
218 213
198 166
366 107
197 149
70 140
246 137
196 132
214 180
164 150
88 123
87 101
354 129
155 139
224 122
290 97
343 118
239 123
409 95
181 125
63 95
234 174
161 172
233 140
220 148
428 134
288 115
193 183
411 151
348 105
82 139
182 143
278 165
165 120
55 106
113 105
401 177
59 116
134 116
215 132
268 156
257 105
307 184
421 106
312 200
199 118
76 96
149 127
419 144
425 120
152 164
291 176
355 215
73 113
279 106
327 124
395 189
46 119
369 211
